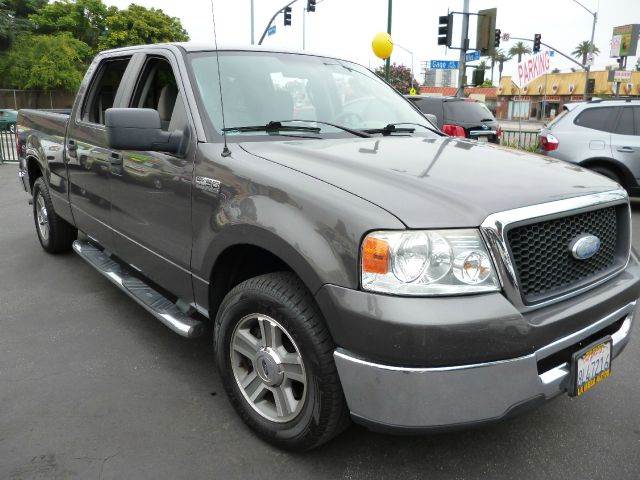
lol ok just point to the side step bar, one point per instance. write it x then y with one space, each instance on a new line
153 301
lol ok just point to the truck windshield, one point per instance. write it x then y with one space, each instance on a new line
263 87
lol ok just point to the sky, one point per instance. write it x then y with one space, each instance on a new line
345 28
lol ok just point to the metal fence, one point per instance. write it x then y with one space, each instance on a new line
8 151
528 139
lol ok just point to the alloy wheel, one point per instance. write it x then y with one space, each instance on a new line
268 368
42 218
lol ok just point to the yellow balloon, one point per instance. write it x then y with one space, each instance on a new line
382 45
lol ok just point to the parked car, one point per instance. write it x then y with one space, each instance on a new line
460 117
355 264
601 135
8 119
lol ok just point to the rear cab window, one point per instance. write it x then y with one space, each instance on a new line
465 111
103 89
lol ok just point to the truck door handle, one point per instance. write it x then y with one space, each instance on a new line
625 149
115 159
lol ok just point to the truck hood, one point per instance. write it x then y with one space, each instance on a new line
434 182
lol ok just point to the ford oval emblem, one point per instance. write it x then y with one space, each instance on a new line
585 246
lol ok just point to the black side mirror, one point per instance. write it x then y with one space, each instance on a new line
140 129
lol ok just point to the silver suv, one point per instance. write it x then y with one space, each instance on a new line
602 135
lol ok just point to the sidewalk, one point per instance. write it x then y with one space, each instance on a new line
527 125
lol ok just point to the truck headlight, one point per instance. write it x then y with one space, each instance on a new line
427 262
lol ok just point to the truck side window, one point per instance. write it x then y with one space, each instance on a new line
158 89
625 122
103 91
598 118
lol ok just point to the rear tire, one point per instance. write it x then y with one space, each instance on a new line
54 233
315 407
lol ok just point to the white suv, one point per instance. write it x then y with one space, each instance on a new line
602 135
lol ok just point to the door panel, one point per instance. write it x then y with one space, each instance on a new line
87 153
151 191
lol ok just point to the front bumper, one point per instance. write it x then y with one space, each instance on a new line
388 397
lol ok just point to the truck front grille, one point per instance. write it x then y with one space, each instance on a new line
543 261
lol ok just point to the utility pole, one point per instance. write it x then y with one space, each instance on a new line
304 28
464 44
252 23
387 63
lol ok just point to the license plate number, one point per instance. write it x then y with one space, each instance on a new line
483 139
591 366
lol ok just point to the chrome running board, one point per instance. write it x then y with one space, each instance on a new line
149 298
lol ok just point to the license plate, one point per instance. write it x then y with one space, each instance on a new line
483 139
590 366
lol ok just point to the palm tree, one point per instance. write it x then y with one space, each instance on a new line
519 49
583 49
499 57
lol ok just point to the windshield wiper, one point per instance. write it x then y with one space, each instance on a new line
272 127
277 126
389 129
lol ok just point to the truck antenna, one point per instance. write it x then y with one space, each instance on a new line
225 151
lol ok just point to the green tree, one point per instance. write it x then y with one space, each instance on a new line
85 20
583 49
45 62
519 49
138 26
500 57
399 77
14 19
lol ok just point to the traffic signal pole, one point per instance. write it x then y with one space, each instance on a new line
264 34
464 44
387 62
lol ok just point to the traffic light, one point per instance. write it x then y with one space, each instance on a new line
445 29
311 5
536 42
496 38
287 16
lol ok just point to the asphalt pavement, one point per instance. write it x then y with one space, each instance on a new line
91 386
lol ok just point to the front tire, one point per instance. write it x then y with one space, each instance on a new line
54 233
275 357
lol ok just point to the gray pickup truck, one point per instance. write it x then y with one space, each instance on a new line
351 260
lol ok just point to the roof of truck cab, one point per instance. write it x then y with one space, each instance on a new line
192 47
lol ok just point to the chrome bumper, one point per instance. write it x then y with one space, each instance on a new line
404 398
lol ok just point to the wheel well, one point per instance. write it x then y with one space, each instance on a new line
237 264
623 173
34 171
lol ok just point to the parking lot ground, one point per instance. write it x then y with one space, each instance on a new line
91 386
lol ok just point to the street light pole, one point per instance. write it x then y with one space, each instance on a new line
410 53
587 67
252 24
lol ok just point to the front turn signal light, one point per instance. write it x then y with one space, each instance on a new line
375 255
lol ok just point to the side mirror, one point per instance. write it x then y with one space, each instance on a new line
140 129
432 118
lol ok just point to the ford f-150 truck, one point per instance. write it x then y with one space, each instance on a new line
353 261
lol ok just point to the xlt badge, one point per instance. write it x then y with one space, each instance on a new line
208 184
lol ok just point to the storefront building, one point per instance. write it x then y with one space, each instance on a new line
544 97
